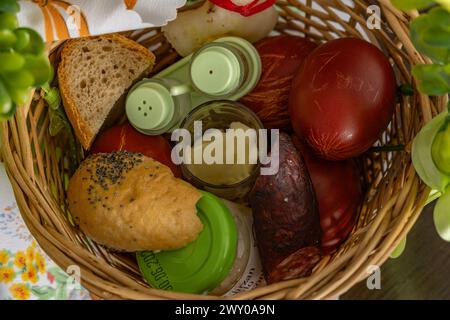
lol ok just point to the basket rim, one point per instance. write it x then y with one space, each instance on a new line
392 222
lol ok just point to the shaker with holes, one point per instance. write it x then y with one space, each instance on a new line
226 69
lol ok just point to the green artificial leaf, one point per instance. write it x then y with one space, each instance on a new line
422 158
434 195
437 33
441 15
440 149
412 4
441 216
399 249
423 38
434 79
57 122
445 4
44 292
52 97
11 6
437 37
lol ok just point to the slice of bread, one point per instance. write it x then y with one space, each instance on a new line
94 76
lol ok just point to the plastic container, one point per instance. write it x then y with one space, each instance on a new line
155 106
228 68
222 259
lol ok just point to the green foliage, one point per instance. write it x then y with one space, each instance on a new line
59 124
412 4
430 33
24 64
434 79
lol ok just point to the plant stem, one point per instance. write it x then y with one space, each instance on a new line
387 148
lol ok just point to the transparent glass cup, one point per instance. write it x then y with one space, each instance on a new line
220 115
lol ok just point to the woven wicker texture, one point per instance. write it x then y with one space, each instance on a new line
394 198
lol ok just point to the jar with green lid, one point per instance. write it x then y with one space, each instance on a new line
222 260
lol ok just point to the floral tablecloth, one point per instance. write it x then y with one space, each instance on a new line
26 273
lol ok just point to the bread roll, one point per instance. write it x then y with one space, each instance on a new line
129 202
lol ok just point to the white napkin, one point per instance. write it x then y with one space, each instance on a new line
61 19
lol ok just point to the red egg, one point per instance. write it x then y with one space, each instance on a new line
343 98
281 56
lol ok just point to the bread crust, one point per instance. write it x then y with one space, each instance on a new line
82 130
147 209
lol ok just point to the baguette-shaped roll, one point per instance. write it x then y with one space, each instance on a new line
129 202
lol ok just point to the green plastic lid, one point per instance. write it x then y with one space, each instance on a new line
216 71
150 107
203 264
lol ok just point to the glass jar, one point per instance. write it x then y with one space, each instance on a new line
223 260
226 180
246 273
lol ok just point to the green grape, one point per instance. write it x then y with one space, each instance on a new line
40 68
441 216
21 79
7 39
5 100
440 149
22 39
422 158
9 6
11 61
8 21
36 44
7 115
19 96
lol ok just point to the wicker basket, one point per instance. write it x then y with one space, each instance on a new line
395 196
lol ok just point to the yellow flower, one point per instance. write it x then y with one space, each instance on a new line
4 257
7 275
19 291
30 274
30 254
40 262
20 260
